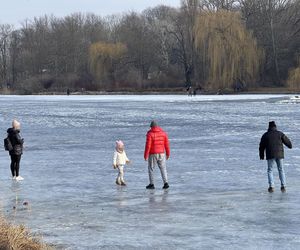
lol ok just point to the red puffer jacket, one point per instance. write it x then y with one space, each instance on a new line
157 142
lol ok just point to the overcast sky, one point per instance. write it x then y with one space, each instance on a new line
16 11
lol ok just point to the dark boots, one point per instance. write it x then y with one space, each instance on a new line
270 189
150 186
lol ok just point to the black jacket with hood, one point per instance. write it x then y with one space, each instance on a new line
272 141
16 141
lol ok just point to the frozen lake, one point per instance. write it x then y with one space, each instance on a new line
218 186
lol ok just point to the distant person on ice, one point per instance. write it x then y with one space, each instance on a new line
157 151
119 161
17 149
272 142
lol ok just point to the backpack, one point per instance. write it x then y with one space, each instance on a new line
7 144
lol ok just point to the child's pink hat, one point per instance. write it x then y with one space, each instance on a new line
119 144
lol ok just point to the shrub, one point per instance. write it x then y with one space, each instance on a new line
18 237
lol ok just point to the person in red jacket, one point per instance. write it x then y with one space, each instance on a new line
157 151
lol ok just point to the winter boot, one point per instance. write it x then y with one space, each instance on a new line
283 190
118 181
270 189
150 186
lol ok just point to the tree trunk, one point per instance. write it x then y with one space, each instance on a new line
275 58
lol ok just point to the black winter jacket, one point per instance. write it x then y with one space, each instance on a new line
16 141
272 141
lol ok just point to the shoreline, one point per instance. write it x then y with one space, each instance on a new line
19 237
169 91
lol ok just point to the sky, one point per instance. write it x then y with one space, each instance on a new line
16 11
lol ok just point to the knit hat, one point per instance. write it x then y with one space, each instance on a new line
272 124
153 124
119 145
16 124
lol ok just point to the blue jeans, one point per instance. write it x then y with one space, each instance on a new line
271 164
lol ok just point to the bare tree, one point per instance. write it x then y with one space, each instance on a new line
181 30
275 24
5 32
214 5
14 55
135 32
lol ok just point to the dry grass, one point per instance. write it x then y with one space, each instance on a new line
294 78
18 238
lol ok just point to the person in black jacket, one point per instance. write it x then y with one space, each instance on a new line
17 151
272 142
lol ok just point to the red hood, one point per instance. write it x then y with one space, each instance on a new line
156 129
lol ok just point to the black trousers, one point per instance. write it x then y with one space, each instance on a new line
15 164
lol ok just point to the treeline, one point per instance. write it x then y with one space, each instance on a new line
207 44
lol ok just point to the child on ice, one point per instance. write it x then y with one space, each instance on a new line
119 161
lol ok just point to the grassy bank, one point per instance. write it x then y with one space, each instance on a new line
18 238
153 91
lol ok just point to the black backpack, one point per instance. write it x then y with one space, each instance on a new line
7 144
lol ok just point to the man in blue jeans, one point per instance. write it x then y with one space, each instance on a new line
272 142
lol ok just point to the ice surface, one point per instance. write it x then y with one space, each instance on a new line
218 186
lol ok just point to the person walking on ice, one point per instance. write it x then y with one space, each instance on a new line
157 151
17 149
119 161
272 142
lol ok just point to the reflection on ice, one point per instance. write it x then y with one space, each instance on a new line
218 187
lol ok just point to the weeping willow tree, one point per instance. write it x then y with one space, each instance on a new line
104 59
229 52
